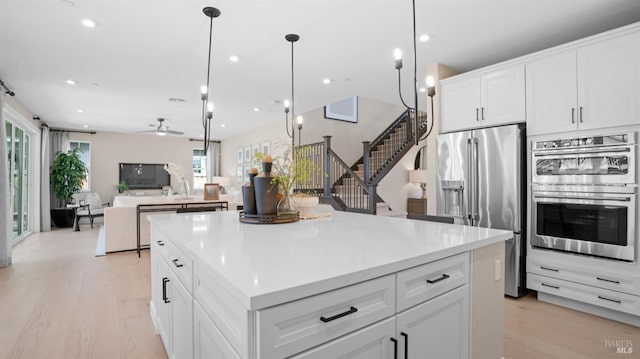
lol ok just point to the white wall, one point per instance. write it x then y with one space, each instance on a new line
108 149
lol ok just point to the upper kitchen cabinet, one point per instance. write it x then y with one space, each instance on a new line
489 99
593 86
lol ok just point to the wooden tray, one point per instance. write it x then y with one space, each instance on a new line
268 218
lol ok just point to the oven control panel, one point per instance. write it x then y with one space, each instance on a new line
582 142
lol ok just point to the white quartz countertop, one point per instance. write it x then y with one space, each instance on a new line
265 265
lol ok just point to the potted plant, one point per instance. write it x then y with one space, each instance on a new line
289 169
68 173
122 187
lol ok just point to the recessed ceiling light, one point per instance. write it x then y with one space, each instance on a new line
88 23
80 110
234 58
85 126
71 82
425 37
422 89
255 109
326 81
223 125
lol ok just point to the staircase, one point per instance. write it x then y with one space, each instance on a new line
353 188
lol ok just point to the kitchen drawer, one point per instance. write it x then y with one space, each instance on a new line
590 275
585 293
422 283
181 264
159 245
293 327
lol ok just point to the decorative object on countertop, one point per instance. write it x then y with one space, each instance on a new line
249 193
266 189
269 218
305 202
177 171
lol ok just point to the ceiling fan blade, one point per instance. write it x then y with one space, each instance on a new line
175 132
147 131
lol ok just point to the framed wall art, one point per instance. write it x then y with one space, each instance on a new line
211 191
345 110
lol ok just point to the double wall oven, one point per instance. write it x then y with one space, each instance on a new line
584 195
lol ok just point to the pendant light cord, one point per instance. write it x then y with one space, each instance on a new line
206 121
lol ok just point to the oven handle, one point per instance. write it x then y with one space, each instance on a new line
619 199
573 152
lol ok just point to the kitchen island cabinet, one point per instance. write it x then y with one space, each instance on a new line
352 285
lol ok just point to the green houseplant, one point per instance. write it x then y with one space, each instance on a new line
67 175
122 187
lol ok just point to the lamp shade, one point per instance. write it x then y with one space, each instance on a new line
223 181
418 176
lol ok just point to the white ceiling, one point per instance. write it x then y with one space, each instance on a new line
143 52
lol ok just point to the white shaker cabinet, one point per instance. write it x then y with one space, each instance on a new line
593 86
489 99
438 328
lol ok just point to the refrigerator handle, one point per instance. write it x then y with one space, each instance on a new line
470 185
476 183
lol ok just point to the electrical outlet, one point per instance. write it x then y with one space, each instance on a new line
497 270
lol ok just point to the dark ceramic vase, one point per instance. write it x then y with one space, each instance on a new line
249 196
266 192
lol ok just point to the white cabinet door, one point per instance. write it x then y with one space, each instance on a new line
438 328
609 83
461 104
181 319
208 342
551 93
160 292
502 96
372 342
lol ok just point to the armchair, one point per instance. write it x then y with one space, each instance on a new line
94 208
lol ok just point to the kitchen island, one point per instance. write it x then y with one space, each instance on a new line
356 284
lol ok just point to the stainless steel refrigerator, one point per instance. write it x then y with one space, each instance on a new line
481 182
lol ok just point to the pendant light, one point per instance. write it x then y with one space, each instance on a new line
292 38
207 106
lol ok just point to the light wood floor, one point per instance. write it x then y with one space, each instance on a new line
59 301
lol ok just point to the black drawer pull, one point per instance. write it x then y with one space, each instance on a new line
609 299
395 347
406 344
175 262
337 316
550 286
160 243
608 280
551 269
164 290
444 276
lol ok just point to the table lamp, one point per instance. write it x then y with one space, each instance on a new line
419 178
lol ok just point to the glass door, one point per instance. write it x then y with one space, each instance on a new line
18 163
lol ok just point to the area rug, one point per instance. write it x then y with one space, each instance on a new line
100 250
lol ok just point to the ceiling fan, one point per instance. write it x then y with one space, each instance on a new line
162 129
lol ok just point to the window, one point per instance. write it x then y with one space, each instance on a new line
199 168
85 157
18 162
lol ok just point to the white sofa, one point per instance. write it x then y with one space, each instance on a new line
120 219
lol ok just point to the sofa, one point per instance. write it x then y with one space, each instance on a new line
120 219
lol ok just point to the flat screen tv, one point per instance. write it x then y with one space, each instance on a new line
144 175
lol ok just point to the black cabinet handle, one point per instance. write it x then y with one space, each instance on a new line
164 290
160 243
337 316
550 286
573 115
580 114
175 262
551 269
406 344
482 113
443 277
609 299
477 117
608 280
395 348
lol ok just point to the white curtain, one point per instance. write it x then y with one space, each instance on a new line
58 142
6 221
213 157
45 188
